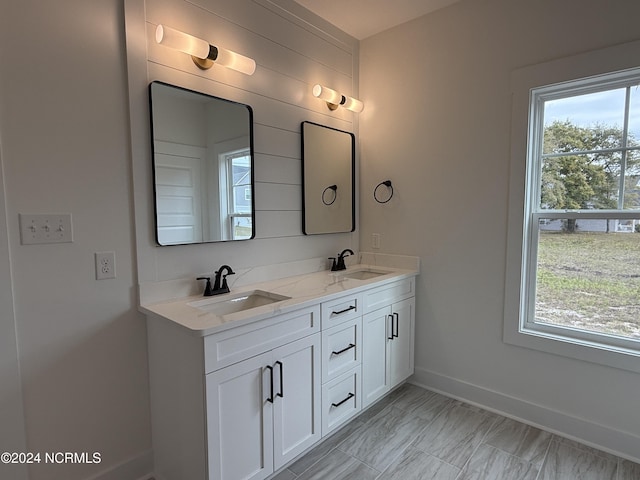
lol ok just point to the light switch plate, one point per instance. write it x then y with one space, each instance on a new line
45 228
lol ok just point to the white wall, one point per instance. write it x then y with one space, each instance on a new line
64 124
11 412
437 123
292 55
64 128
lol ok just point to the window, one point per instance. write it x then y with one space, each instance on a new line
235 187
239 204
580 275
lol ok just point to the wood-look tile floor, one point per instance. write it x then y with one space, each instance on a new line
416 434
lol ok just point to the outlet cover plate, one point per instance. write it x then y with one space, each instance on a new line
105 265
45 228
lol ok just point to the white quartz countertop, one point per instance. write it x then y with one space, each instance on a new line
303 290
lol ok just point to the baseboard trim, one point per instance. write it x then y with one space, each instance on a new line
620 443
138 467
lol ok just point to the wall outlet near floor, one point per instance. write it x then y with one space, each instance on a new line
105 265
375 240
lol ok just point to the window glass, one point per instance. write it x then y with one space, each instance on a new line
589 280
591 110
582 274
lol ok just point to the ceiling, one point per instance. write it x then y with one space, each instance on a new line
363 18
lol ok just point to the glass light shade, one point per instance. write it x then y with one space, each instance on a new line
170 37
235 61
327 94
353 104
336 98
200 49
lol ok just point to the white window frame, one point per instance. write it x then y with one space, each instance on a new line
528 89
228 214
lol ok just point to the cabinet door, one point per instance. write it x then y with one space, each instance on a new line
297 407
239 420
375 358
401 347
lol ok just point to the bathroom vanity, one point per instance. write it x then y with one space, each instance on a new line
242 383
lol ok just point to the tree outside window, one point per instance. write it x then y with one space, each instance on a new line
582 221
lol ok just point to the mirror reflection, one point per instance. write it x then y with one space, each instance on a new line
328 167
202 165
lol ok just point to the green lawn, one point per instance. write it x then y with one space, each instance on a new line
590 281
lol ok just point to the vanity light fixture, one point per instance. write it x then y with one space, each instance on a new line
335 99
202 53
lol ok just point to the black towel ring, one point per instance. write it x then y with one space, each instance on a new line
335 194
387 183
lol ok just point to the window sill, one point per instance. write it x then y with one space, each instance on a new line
571 347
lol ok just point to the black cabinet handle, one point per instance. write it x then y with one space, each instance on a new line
351 345
281 394
270 398
350 396
352 307
397 334
391 337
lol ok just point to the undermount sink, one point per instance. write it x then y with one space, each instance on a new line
364 274
239 302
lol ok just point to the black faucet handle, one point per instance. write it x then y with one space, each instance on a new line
208 291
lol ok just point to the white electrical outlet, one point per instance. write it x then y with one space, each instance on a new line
375 240
53 228
105 265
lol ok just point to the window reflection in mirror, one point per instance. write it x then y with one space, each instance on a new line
203 167
328 166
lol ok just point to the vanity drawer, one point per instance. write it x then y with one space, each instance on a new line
382 296
341 348
237 344
340 400
341 309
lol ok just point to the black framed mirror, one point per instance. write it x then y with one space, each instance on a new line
202 167
328 187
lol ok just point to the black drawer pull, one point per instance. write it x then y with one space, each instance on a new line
390 317
397 317
270 398
352 307
351 345
349 397
281 394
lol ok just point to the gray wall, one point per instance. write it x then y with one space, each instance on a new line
437 122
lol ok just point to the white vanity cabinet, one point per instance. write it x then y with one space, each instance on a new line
238 404
240 397
264 411
388 327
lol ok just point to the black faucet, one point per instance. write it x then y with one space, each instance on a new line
220 282
339 264
222 287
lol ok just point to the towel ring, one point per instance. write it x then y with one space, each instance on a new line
335 194
386 183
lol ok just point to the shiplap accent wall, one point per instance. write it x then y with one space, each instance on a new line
293 50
